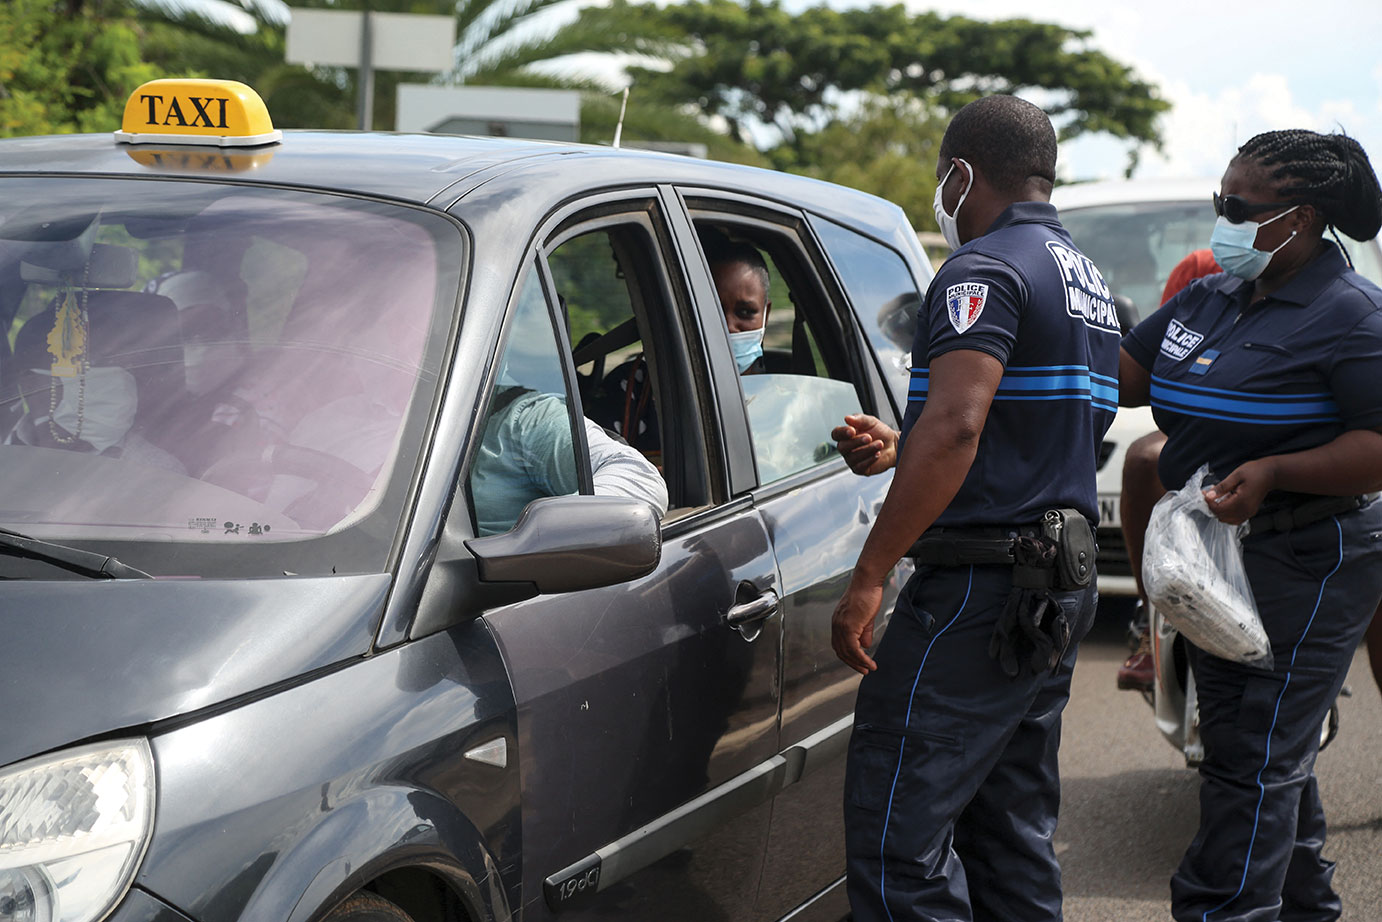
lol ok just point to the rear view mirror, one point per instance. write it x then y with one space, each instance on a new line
569 543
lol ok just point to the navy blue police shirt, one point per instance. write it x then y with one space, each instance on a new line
1233 381
1024 294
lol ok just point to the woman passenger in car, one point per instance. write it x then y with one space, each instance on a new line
741 284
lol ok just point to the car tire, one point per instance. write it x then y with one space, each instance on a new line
366 907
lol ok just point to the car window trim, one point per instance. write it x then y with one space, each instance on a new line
574 411
729 450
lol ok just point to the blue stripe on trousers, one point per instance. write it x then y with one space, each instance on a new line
1261 789
902 749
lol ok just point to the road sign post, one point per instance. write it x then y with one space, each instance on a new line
367 40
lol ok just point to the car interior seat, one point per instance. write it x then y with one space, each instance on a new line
133 330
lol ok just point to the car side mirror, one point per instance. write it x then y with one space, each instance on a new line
569 543
559 544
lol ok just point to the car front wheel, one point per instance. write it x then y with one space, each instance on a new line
366 907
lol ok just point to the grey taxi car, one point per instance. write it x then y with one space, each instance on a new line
262 660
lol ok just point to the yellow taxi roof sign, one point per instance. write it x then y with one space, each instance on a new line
224 113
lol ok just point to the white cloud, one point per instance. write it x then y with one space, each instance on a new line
1195 52
1205 129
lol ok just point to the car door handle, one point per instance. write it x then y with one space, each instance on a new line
759 609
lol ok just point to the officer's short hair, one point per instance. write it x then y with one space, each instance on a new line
1007 139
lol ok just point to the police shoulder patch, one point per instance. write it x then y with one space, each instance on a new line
964 303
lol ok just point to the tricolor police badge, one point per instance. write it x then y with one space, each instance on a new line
965 303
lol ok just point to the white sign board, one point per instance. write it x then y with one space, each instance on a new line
399 41
518 112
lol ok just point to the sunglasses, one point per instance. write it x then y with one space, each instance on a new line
1237 209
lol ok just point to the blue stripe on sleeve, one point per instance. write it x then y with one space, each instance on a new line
1040 382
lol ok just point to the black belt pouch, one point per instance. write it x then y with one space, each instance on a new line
1073 537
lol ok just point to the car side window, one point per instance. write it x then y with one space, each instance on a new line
885 298
613 367
806 378
631 364
528 448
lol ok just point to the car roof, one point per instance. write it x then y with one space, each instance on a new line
1126 192
411 167
437 170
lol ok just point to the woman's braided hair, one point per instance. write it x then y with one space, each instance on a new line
1328 171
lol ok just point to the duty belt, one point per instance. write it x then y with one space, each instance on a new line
960 547
1306 512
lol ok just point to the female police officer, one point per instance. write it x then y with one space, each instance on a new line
1269 374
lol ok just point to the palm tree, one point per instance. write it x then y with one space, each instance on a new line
538 43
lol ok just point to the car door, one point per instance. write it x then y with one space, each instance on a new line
643 713
818 513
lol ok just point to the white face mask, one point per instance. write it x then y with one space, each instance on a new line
949 224
103 413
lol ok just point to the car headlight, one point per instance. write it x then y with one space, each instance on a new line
73 828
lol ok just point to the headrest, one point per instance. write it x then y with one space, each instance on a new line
110 267
126 328
192 288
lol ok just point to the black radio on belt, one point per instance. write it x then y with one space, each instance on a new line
1069 531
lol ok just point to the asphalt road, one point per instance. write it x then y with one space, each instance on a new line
1129 805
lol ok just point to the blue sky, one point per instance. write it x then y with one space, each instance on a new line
1230 70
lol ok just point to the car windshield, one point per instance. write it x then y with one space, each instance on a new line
209 380
1137 245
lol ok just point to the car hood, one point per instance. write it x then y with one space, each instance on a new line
85 658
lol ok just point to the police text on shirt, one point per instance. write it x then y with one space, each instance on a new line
1087 295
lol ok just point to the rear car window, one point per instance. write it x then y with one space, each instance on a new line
1137 245
231 380
885 298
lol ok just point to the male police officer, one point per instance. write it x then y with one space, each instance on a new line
952 788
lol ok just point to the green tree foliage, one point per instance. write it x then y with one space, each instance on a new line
887 146
65 67
758 63
861 96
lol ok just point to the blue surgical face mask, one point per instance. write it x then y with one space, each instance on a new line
747 347
1233 246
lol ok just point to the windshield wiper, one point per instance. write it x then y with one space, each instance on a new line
85 563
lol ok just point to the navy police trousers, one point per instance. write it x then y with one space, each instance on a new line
1256 857
952 787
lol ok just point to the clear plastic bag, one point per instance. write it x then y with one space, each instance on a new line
1193 571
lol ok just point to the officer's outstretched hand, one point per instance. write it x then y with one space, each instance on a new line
1237 497
851 628
868 444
